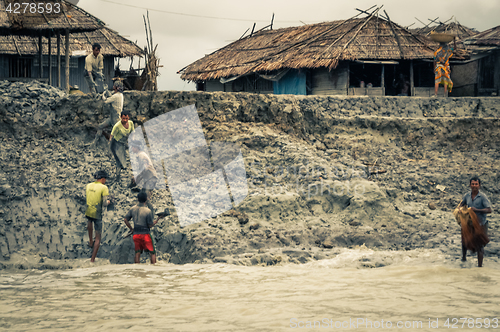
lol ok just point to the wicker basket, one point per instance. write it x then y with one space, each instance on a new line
441 37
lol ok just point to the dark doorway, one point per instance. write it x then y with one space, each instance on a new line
361 75
20 67
397 79
424 74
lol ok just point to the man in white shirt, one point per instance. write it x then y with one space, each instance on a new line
115 108
145 175
94 64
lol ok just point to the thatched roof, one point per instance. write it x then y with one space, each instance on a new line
311 46
490 37
461 50
454 28
111 44
63 16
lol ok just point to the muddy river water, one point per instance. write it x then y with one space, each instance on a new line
412 294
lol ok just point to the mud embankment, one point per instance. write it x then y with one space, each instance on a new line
323 172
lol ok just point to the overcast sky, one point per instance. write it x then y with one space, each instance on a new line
187 30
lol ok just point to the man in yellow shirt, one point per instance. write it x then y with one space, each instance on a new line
118 140
94 64
97 201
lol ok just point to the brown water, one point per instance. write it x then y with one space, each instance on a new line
222 297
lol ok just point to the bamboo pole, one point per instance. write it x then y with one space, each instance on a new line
66 58
50 57
58 58
412 78
150 34
355 34
345 33
40 55
382 80
395 35
146 28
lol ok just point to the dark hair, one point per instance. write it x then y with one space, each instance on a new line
96 45
142 197
125 113
100 174
119 85
475 178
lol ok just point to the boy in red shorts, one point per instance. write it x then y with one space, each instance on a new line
143 221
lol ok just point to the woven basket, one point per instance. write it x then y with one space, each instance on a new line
441 37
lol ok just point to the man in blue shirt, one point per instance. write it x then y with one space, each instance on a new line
481 205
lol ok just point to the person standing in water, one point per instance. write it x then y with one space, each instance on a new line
143 221
97 200
481 206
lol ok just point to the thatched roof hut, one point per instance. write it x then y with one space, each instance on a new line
490 37
485 47
57 15
461 51
321 45
44 18
111 42
455 28
31 45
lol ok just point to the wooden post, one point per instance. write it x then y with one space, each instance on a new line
50 56
66 58
348 74
382 79
412 85
478 77
58 58
40 56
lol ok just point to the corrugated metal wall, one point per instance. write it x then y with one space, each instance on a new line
464 78
77 66
4 66
325 82
214 85
497 71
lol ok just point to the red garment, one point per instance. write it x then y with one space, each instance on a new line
143 242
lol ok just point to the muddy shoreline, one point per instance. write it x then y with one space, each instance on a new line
324 174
